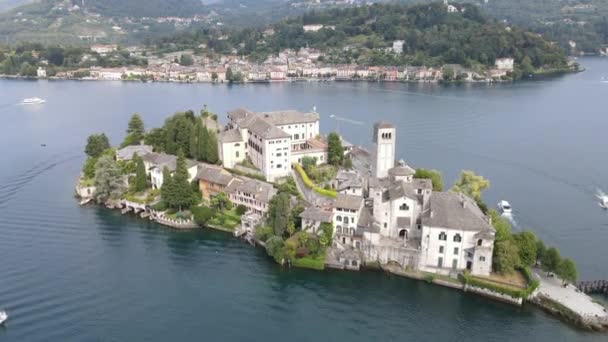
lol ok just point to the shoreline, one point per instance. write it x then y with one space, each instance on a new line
540 74
542 302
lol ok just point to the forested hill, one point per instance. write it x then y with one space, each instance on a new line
144 8
431 36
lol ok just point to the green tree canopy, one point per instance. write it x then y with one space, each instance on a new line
202 215
141 180
96 144
551 260
433 175
181 186
567 270
135 131
335 151
109 184
506 256
278 215
526 246
471 185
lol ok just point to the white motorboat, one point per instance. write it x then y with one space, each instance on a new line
3 316
603 199
505 207
33 100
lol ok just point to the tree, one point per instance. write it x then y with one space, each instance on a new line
88 169
347 163
551 260
141 181
167 192
181 186
186 60
96 144
541 249
526 246
220 201
211 150
567 270
241 209
433 175
448 74
135 131
335 151
527 68
506 256
308 162
203 142
214 76
109 184
279 213
471 185
202 215
155 138
229 74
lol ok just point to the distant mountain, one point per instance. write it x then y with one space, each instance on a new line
6 5
143 8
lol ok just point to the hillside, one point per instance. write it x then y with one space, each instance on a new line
365 35
584 22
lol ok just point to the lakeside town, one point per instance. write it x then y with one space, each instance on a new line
318 202
305 64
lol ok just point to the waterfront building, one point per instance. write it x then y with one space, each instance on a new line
212 179
255 195
271 141
155 163
312 217
127 153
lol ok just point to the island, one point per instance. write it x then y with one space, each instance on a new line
316 202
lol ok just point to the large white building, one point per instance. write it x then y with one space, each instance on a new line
400 220
271 141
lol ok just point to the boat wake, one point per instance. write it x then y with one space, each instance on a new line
602 197
10 187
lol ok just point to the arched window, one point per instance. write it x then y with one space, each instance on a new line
352 231
457 238
339 229
443 236
339 218
479 242
404 207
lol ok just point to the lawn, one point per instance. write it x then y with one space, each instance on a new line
313 262
515 279
226 219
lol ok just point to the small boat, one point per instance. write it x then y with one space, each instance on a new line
3 316
505 207
33 100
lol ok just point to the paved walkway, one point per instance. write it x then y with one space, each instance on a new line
578 302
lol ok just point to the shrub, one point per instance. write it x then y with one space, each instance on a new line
263 233
241 209
202 215
314 263
160 206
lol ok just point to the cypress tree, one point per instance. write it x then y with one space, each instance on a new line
181 187
203 142
194 136
212 156
141 182
167 192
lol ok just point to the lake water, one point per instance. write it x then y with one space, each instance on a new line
87 274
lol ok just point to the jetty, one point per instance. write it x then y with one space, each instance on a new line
569 302
593 287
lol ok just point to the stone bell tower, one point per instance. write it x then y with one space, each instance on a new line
384 149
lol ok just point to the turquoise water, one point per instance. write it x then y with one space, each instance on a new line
71 273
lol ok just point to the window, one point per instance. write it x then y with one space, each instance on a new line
419 226
357 245
339 229
279 166
456 250
352 231
385 225
352 220
440 249
354 263
482 258
457 238
419 191
339 218
440 262
278 154
237 145
237 154
479 242
443 236
454 264
404 207
296 136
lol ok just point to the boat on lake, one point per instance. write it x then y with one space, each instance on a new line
3 316
505 207
33 100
